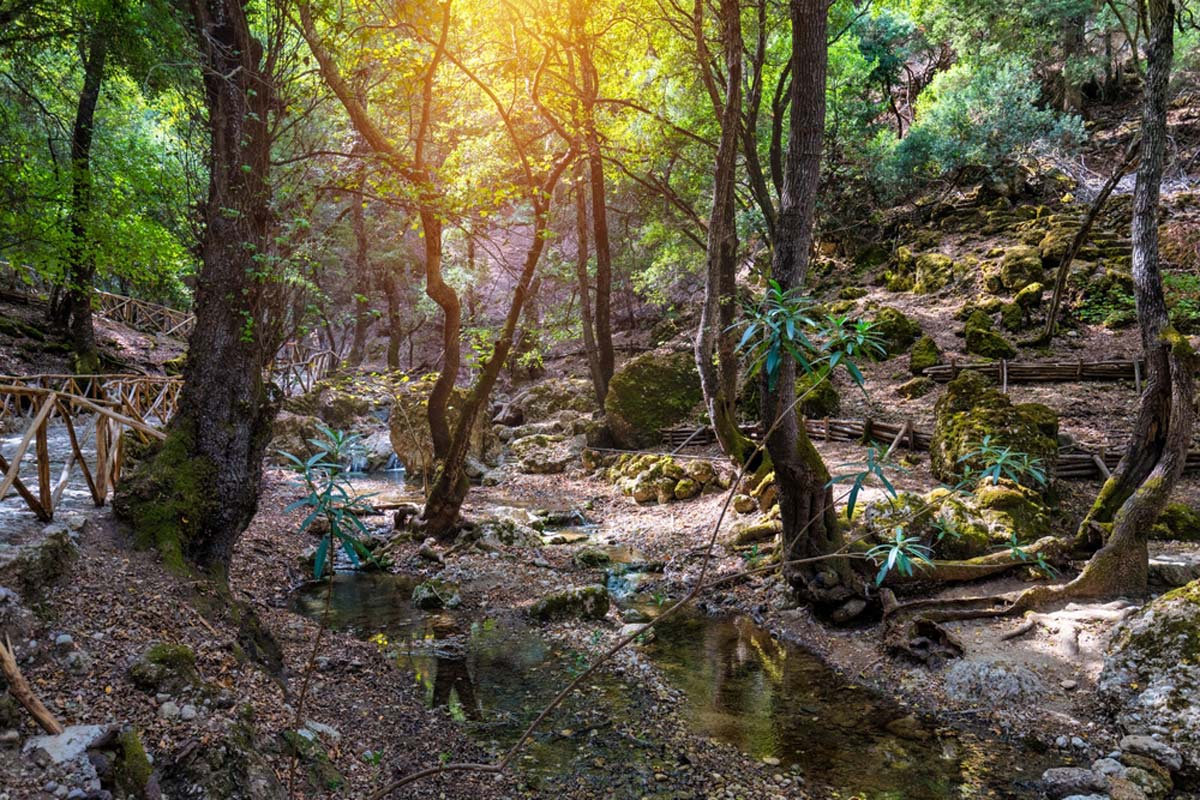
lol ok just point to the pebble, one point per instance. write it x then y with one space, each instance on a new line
75 794
771 761
1078 743
168 710
64 640
61 791
9 737
1062 742
162 697
188 713
1069 685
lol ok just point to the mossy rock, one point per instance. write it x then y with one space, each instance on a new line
686 489
823 401
983 340
851 293
971 409
587 602
1012 317
542 400
933 271
1030 297
896 331
650 392
1020 267
591 557
917 387
1178 522
435 593
165 668
131 769
19 329
924 354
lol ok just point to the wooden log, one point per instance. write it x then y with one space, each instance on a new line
19 688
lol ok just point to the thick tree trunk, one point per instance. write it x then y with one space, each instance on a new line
394 325
362 271
1142 483
719 381
583 281
196 494
74 312
806 503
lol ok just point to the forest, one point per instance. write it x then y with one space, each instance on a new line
674 399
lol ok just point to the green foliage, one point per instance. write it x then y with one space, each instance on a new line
330 496
902 553
1003 461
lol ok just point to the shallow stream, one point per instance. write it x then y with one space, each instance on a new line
739 685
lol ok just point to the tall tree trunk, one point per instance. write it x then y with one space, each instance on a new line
75 309
606 361
1142 483
719 381
362 267
805 500
583 281
394 324
195 495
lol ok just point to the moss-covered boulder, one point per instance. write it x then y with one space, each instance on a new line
164 667
1152 673
896 331
650 392
409 427
547 454
924 354
933 271
917 387
1054 244
650 478
1021 266
983 340
1178 522
292 433
586 602
1030 297
972 409
435 593
821 398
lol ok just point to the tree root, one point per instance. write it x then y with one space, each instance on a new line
1050 548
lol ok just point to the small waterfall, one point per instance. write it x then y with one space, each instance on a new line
394 464
357 462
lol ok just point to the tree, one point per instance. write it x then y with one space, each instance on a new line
806 504
719 381
195 494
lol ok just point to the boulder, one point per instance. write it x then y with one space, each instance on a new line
409 428
1179 522
36 565
896 331
650 392
1061 782
971 409
543 454
917 387
230 766
933 272
434 594
924 354
542 400
165 668
982 338
1021 266
290 433
1151 677
586 602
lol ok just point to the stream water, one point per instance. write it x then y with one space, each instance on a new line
738 684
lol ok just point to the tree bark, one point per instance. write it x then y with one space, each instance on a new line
362 266
805 500
719 381
1140 487
583 281
74 312
194 496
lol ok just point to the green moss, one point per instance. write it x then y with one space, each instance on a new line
971 409
588 602
132 770
1012 317
175 656
917 387
1179 522
1030 297
650 392
436 593
1021 266
19 329
895 330
925 353
933 272
851 293
982 340
822 401
166 496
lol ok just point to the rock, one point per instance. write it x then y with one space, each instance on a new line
983 340
169 710
686 489
992 683
650 392
592 557
924 354
164 667
10 738
1020 267
1179 522
16 621
1152 748
69 747
587 602
37 565
895 330
744 504
1060 782
540 401
542 454
232 766
917 387
1174 569
645 635
409 428
1030 297
63 641
933 272
1152 784
1108 767
849 610
434 594
973 408
1152 676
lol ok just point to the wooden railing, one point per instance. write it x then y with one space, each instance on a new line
298 368
101 469
143 316
1006 372
145 397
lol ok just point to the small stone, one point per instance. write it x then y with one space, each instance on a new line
771 761
1062 742
1152 748
1078 743
188 713
168 710
63 640
1069 685
1108 766
51 787
10 737
75 794
1065 781
61 791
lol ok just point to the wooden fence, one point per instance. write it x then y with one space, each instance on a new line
144 397
101 469
1073 463
1006 372
143 316
298 368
